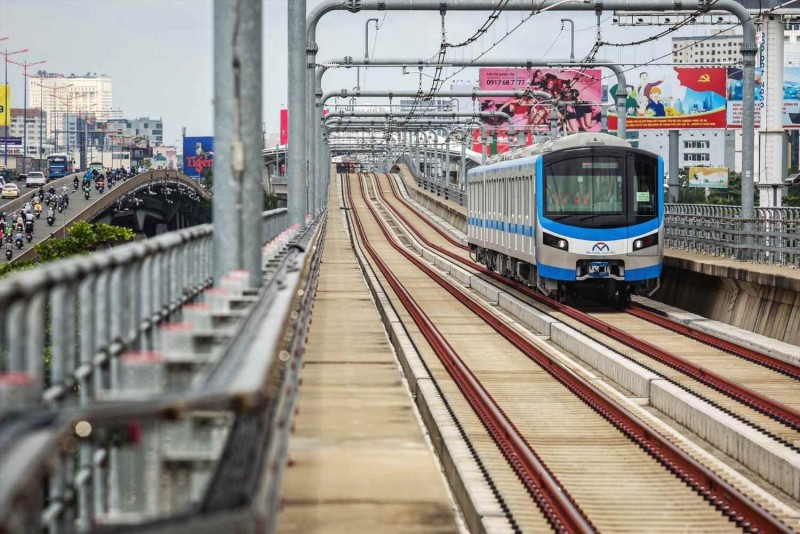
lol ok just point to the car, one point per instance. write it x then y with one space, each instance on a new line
10 191
35 179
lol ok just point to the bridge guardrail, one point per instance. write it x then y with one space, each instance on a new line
86 339
447 191
772 237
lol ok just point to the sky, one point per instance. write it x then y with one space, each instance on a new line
160 52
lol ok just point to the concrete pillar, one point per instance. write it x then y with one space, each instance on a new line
772 137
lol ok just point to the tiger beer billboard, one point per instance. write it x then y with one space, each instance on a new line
198 155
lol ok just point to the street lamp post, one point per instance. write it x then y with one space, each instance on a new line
7 110
25 66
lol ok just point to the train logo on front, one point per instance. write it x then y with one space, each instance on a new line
600 247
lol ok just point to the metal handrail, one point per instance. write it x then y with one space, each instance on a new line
445 190
240 388
95 308
772 237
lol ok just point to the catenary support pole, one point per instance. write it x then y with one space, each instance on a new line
674 165
227 245
748 48
296 179
462 174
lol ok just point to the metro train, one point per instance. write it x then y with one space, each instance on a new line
585 211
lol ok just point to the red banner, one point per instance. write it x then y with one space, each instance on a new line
284 126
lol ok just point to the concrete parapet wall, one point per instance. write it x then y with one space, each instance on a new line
447 210
766 304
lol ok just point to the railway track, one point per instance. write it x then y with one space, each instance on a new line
763 391
615 473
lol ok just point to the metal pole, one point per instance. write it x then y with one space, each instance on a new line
309 149
484 133
41 128
674 164
7 113
297 101
447 159
227 240
572 41
462 175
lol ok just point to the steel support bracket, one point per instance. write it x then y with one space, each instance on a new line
353 6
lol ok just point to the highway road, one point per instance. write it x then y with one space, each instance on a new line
41 230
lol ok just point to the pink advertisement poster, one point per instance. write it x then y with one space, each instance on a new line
575 92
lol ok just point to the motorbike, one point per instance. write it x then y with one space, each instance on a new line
37 210
75 184
101 186
51 219
66 201
86 194
29 236
19 243
60 207
9 254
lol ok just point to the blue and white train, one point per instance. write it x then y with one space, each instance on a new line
582 210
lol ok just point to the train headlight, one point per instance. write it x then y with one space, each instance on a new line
556 242
645 242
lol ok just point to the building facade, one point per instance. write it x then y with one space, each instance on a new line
36 120
59 96
724 48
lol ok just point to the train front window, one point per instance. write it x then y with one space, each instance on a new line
643 171
584 186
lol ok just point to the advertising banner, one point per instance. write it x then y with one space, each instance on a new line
673 99
531 113
5 98
284 126
198 155
710 177
791 97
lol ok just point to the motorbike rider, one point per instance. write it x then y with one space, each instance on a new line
9 251
19 239
51 212
75 182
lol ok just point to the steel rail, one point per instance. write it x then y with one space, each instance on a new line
762 404
560 509
774 364
745 512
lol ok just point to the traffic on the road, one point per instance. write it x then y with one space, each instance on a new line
29 218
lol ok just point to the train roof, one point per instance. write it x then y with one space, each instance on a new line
576 140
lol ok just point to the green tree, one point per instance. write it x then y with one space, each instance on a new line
82 238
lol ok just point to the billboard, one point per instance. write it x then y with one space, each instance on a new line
5 98
198 155
673 99
708 177
791 97
531 113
